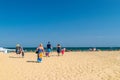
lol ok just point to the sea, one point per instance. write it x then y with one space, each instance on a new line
32 49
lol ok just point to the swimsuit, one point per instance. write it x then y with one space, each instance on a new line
39 55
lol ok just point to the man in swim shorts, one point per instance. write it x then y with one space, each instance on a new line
49 47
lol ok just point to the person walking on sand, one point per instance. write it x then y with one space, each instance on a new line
22 51
58 49
49 48
19 50
40 51
63 51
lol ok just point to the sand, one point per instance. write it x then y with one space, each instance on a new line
102 65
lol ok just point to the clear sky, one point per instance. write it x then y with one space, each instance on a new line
82 23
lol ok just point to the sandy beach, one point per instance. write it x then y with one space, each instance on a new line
102 65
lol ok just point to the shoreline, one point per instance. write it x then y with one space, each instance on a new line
75 48
69 51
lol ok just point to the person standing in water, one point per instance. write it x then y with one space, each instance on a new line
58 49
40 51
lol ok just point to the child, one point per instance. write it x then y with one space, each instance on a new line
63 51
23 53
47 54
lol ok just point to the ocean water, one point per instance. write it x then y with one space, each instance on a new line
28 49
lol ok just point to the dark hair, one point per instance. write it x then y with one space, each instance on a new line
49 42
58 45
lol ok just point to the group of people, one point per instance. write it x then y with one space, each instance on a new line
40 51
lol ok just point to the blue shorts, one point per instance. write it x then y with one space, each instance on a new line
58 51
49 50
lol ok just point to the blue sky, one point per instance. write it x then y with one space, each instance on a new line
84 23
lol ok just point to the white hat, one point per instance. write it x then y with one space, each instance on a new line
18 45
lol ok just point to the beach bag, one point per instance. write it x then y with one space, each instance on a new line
36 52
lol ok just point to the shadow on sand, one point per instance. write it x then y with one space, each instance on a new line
14 57
51 56
32 61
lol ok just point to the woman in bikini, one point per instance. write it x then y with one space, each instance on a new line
40 51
